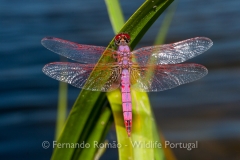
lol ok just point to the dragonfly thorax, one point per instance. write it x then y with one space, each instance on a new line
124 56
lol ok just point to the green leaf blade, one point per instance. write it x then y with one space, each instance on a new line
115 14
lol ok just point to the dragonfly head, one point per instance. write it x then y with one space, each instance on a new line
122 39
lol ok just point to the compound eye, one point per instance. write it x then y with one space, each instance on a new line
118 37
127 36
117 41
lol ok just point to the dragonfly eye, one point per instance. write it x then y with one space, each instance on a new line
127 40
127 36
117 41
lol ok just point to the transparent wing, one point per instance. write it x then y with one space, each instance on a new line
172 53
104 78
165 76
77 52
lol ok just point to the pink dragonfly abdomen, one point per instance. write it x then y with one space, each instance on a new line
124 52
126 100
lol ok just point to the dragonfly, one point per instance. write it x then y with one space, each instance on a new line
147 69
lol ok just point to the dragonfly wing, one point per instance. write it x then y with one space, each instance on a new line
104 78
77 52
165 76
172 53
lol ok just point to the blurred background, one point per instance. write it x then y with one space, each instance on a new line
207 111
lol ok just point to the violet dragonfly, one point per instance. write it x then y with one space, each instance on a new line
129 69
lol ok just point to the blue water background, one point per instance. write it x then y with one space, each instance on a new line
207 110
